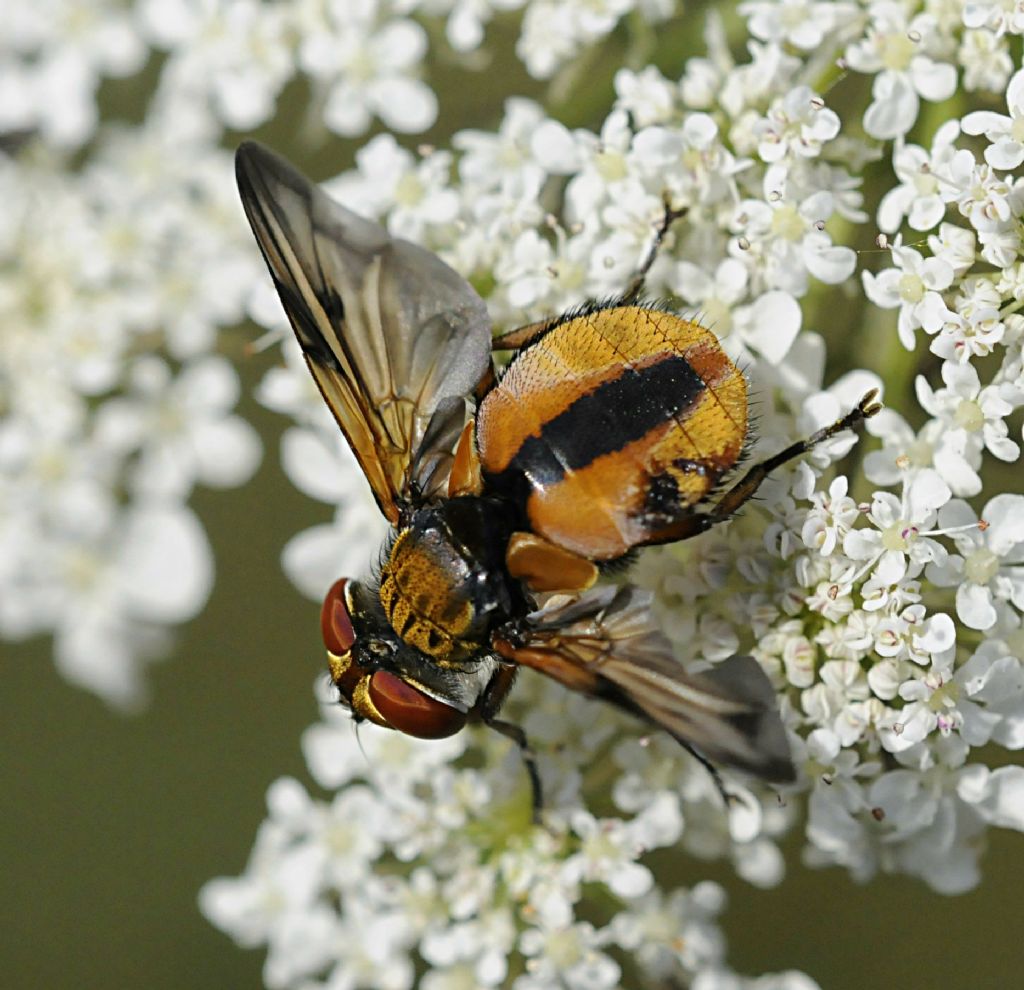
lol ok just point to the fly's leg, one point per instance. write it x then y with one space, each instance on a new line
491 701
636 285
522 337
716 777
747 486
516 734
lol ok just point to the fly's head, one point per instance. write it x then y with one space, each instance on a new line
379 677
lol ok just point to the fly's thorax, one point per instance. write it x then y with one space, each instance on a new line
444 585
421 593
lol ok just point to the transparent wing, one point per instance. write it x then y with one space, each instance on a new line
394 338
605 643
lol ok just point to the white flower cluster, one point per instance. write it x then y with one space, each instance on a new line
230 59
113 284
889 620
887 679
419 860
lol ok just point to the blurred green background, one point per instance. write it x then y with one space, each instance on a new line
111 824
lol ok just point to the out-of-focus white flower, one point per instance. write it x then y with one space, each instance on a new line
102 440
996 15
803 23
236 54
566 956
553 32
53 57
1005 133
183 427
986 61
367 66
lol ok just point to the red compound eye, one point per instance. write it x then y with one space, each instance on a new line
409 710
335 624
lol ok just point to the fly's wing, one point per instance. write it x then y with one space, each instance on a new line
394 338
605 643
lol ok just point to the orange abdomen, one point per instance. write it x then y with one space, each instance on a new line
611 426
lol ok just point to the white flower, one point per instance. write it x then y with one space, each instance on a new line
275 901
567 957
923 192
152 566
973 327
830 518
955 245
414 193
54 58
690 163
647 96
553 32
895 51
368 67
608 853
984 196
915 286
985 59
1004 133
901 543
183 427
667 933
337 752
999 16
798 123
987 568
786 237
991 697
235 54
972 415
803 23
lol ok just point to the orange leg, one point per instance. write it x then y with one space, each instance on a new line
544 566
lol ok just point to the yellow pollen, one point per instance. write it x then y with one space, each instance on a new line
896 51
611 166
969 416
788 224
981 566
911 287
409 190
895 537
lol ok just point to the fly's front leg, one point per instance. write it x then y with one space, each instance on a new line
490 703
516 734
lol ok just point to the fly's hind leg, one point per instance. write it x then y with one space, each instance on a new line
521 337
636 286
716 778
747 486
